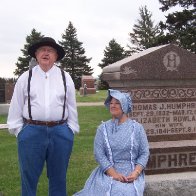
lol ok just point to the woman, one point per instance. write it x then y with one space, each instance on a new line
121 149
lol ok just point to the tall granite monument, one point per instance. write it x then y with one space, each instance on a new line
162 82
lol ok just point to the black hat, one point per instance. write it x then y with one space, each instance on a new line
46 41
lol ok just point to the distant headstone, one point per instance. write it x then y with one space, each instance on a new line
2 92
162 82
9 89
87 85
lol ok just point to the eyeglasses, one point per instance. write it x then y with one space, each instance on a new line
49 50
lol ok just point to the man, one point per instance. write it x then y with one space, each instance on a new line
43 116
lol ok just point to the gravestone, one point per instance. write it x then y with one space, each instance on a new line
87 85
9 89
162 82
2 91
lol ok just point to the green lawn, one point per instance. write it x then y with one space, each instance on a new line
3 119
100 96
82 160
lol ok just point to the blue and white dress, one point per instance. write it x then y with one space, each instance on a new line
121 147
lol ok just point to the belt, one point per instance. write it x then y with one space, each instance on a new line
44 123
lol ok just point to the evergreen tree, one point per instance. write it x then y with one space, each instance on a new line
23 62
75 62
180 25
145 34
112 53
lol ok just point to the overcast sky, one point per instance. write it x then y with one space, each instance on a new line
96 22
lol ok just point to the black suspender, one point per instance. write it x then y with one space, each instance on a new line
28 90
64 82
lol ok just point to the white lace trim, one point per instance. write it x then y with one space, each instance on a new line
108 193
133 165
107 143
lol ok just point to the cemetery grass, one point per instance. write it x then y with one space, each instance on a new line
81 163
3 119
100 96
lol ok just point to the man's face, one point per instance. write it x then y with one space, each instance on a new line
46 55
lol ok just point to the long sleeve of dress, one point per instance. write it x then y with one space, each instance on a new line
143 153
100 151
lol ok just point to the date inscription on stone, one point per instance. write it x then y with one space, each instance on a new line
168 118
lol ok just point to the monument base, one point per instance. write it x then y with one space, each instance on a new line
173 184
88 91
171 157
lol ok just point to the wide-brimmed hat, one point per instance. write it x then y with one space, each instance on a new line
46 41
123 98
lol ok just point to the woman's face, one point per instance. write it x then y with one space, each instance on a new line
115 108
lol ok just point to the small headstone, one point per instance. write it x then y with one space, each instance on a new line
87 85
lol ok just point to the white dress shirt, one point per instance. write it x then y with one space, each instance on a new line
47 98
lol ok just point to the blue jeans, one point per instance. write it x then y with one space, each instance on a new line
39 144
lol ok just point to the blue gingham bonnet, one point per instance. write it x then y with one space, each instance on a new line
123 98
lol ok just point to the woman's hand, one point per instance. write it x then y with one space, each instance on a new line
133 176
120 177
115 175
